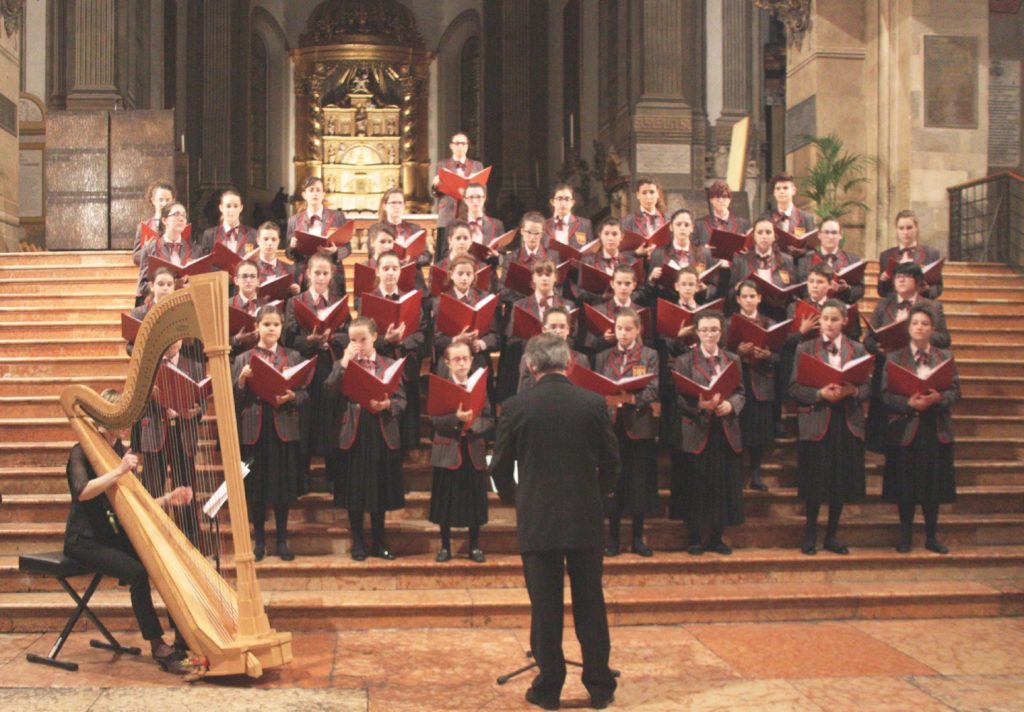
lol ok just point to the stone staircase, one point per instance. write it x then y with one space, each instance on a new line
59 324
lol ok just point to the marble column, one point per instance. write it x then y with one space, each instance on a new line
737 84
516 96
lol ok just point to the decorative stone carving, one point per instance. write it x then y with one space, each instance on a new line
11 10
380 21
794 14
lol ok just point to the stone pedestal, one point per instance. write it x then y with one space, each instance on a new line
141 151
77 180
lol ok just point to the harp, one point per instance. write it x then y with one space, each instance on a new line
225 625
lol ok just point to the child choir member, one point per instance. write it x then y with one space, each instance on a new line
317 219
830 236
682 252
637 491
623 297
463 165
270 434
907 250
768 262
482 226
246 299
556 321
720 218
158 194
237 237
369 442
563 226
268 240
609 231
649 217
711 443
458 492
830 450
169 246
786 215
392 214
919 450
757 419
161 285
462 271
686 293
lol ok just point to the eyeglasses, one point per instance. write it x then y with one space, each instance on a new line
829 232
709 330
460 359
176 214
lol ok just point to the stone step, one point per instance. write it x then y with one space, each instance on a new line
83 272
964 320
58 282
46 313
984 367
983 386
975 347
58 348
72 257
70 365
990 334
33 330
41 386
983 307
122 300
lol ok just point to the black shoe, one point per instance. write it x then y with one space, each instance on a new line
173 663
358 552
533 699
903 547
809 548
599 703
259 551
613 549
284 552
758 485
477 555
832 544
933 544
695 550
722 548
382 552
444 554
641 549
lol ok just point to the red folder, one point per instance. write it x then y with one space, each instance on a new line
790 243
904 382
593 279
240 320
276 287
440 282
635 240
186 234
147 234
724 384
519 278
818 374
852 274
562 271
891 336
933 271
333 316
444 396
604 386
175 389
453 184
361 386
805 309
742 330
201 265
411 247
364 278
482 250
672 317
223 257
130 328
308 243
669 274
570 252
599 322
525 324
406 310
453 316
724 244
775 295
268 383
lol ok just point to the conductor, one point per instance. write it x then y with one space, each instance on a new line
568 457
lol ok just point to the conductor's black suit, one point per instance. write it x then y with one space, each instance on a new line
568 457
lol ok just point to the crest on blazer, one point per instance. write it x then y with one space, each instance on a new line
581 238
800 231
785 277
639 370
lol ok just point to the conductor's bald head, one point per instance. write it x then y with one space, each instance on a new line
547 353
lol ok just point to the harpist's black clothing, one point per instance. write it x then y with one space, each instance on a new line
92 539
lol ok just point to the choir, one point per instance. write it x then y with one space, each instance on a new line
774 327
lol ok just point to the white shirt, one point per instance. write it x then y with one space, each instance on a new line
563 234
836 360
765 274
315 228
718 366
923 369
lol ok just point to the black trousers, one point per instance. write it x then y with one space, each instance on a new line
545 572
117 559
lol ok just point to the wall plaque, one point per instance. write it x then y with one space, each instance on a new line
801 122
1004 112
8 115
663 158
950 82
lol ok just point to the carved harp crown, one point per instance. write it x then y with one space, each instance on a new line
228 626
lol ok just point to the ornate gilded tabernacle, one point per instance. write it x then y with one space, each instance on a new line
361 73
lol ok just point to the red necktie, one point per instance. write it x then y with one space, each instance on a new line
459 165
905 304
366 363
321 302
765 262
722 223
314 219
832 258
924 358
831 347
559 224
907 251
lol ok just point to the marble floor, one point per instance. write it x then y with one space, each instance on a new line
960 664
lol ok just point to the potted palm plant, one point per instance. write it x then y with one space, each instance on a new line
834 174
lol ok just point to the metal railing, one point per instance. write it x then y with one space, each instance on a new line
986 220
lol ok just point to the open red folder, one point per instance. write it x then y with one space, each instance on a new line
672 317
406 310
891 336
362 386
223 257
670 272
723 384
149 234
440 282
519 278
276 287
635 240
411 247
454 316
599 322
175 389
130 328
307 243
604 386
200 265
852 274
364 278
772 293
932 271
328 319
570 253
724 244
526 324
483 250
444 397
743 330
239 319
805 309
268 383
453 184
818 374
904 382
596 280
790 243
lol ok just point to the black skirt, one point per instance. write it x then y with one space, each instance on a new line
458 498
712 488
273 467
831 470
369 473
757 419
876 429
637 488
409 421
507 382
316 421
922 472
